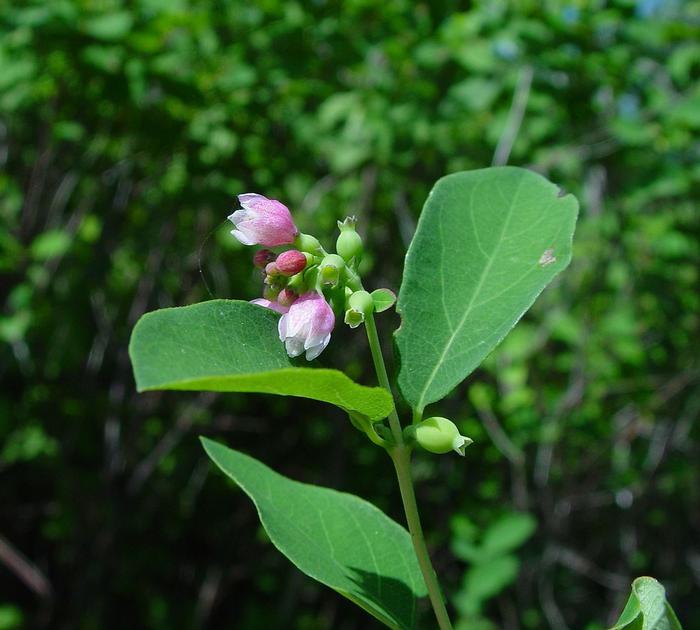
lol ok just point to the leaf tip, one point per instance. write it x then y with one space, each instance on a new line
206 443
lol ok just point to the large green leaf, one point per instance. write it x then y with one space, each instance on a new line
487 243
647 608
336 538
233 346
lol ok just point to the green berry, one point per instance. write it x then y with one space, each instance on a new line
440 435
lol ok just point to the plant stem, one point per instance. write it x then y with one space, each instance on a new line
401 456
382 376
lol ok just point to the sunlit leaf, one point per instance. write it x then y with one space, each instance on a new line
487 243
647 608
336 538
233 346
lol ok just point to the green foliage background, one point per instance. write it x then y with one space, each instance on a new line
126 129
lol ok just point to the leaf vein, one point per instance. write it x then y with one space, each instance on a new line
484 273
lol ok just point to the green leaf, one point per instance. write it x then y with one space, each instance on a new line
487 243
109 26
483 581
50 244
336 538
233 346
647 608
383 299
508 533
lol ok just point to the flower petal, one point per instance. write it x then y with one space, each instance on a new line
273 306
294 346
314 351
282 327
245 239
247 199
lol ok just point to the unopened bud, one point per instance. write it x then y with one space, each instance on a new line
360 306
273 278
353 318
309 244
297 283
291 262
349 243
362 302
330 269
439 435
263 257
286 297
270 293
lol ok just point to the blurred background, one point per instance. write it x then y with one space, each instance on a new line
126 130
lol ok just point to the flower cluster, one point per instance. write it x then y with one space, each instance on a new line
306 284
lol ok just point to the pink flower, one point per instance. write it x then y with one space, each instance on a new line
263 221
307 326
275 306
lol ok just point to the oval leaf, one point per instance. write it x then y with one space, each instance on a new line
336 538
487 243
383 299
647 608
233 346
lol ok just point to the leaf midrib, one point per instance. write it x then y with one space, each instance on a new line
482 278
291 524
343 402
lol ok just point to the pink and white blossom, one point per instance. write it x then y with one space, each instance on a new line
307 326
275 306
263 221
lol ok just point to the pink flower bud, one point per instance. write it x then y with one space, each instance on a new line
291 262
307 326
263 257
271 269
287 297
274 306
263 221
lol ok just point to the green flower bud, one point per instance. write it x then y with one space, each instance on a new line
330 269
297 283
362 302
439 435
360 305
309 244
271 292
349 243
353 318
